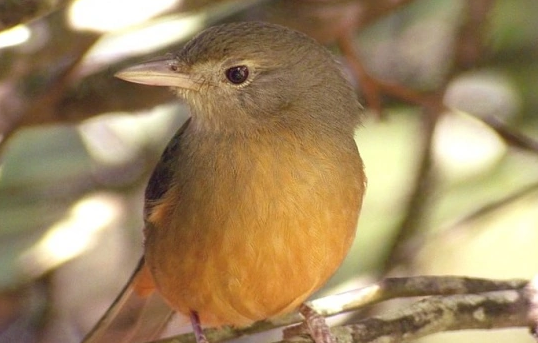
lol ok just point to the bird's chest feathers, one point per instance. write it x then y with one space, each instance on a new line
242 192
244 185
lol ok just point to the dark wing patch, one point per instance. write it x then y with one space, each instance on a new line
162 175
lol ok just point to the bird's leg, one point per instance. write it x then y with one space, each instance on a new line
197 328
317 327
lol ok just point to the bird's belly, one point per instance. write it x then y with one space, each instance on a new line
243 276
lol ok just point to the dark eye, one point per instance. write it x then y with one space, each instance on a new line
237 75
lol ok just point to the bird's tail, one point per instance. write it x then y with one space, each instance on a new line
137 315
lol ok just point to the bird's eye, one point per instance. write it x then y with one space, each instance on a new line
237 75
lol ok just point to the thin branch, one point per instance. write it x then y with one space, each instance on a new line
470 46
399 251
380 9
510 136
496 205
374 87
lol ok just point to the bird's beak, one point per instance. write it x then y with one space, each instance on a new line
164 71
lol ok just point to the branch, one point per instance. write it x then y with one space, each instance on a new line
390 288
500 309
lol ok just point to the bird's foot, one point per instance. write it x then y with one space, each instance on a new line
317 326
197 328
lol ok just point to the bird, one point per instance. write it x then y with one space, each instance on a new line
255 201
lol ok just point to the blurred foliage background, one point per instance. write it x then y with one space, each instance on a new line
449 89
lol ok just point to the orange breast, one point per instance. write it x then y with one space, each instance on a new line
249 231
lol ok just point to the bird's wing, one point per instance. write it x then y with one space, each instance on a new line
139 314
162 175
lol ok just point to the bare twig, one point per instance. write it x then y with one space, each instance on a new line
374 88
470 43
496 205
510 136
422 187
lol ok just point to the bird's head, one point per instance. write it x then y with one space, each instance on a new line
253 75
